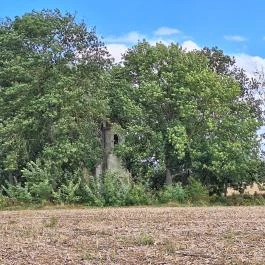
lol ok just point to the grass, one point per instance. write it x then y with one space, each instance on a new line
145 239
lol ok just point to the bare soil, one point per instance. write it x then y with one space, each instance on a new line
213 235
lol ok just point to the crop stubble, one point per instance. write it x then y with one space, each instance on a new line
192 235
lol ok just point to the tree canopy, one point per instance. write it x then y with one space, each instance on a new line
191 116
183 114
52 96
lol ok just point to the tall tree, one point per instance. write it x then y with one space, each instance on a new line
52 96
192 115
223 64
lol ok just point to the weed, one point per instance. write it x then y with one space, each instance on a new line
170 247
88 256
52 222
145 240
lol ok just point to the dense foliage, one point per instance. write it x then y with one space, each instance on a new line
51 97
187 117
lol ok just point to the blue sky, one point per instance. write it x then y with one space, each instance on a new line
237 27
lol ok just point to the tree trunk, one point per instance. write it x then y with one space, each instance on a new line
11 179
225 189
169 177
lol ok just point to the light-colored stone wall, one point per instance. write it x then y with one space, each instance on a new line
110 160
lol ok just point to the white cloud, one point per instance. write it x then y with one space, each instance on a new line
131 38
166 31
116 50
251 64
190 45
236 38
119 45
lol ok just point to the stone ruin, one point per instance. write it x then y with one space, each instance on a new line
110 161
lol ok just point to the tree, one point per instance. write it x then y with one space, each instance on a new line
249 91
52 94
193 116
223 64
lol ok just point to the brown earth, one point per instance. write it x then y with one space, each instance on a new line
213 235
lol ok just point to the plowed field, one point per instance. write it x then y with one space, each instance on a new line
213 235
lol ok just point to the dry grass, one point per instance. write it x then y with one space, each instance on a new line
251 190
215 235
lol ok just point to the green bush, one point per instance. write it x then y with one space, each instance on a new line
138 195
259 199
41 191
38 180
91 192
196 192
17 192
218 200
238 200
4 202
67 193
116 187
172 193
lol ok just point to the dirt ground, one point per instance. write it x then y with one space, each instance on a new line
213 235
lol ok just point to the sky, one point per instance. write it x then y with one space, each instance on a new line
237 27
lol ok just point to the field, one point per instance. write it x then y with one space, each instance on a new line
213 235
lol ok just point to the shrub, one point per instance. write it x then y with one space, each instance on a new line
116 187
238 200
17 192
92 192
4 201
38 181
172 193
196 192
218 199
259 199
138 195
41 191
68 192
245 199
